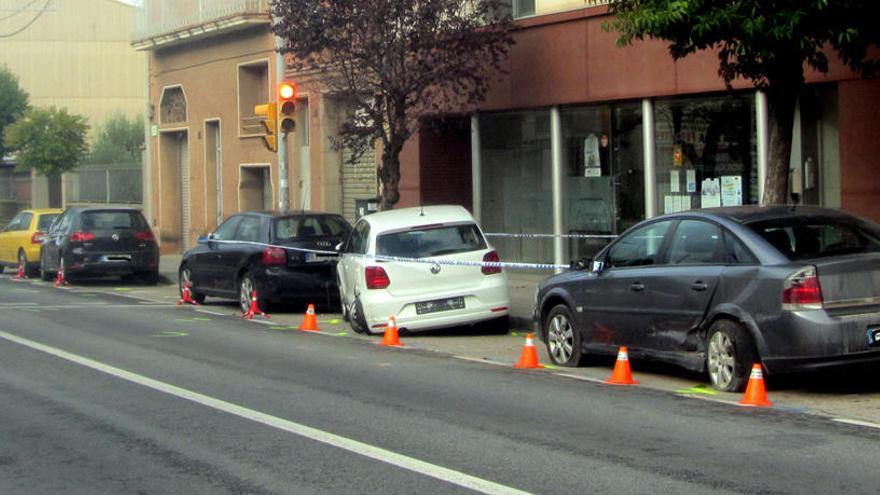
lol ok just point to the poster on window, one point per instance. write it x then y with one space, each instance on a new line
731 190
592 161
710 193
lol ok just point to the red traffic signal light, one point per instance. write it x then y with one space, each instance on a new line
286 106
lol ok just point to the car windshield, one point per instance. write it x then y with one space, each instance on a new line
801 238
424 242
111 220
307 226
45 221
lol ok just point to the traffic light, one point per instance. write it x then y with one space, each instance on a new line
286 106
269 111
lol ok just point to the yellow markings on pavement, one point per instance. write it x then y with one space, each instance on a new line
122 289
278 327
170 334
551 367
202 319
330 322
698 389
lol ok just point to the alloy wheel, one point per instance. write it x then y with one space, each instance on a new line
560 337
721 359
244 294
185 279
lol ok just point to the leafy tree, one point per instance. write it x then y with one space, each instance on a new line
394 62
119 140
13 102
767 43
49 140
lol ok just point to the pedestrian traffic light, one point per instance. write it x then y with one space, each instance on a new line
268 110
286 106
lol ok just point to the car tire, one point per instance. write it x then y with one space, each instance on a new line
343 305
730 353
45 274
356 317
563 340
246 285
23 261
184 276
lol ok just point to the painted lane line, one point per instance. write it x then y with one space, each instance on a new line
90 306
15 305
366 450
484 361
580 377
856 422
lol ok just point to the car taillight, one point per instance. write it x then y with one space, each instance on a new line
274 256
81 236
38 237
801 291
491 257
376 277
145 235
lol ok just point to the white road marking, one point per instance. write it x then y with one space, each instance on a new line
88 305
484 361
580 377
377 453
16 304
856 422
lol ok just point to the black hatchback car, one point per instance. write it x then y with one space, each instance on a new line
250 251
98 242
791 288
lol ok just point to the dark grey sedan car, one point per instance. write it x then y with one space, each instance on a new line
719 289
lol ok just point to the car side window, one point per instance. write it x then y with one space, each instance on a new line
226 230
248 229
25 222
695 242
737 253
357 243
65 221
639 247
13 224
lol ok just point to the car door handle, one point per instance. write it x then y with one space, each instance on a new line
699 286
637 287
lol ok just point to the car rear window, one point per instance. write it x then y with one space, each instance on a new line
111 220
310 226
45 221
424 242
802 238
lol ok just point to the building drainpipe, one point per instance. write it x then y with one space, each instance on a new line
649 151
147 160
558 185
476 168
763 138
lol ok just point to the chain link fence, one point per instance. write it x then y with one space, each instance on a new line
120 183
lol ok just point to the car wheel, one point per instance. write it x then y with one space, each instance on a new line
730 353
184 278
45 274
61 265
562 338
356 317
23 261
342 304
246 286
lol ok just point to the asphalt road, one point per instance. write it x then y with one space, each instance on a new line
104 393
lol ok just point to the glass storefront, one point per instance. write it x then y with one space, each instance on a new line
706 152
602 161
516 178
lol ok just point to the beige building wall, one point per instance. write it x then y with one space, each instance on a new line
75 54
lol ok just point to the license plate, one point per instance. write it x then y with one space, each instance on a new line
439 305
874 336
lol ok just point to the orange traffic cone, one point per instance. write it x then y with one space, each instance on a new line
20 275
529 356
756 394
59 278
310 321
186 298
391 337
254 309
622 375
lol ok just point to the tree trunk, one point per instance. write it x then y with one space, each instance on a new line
781 102
389 176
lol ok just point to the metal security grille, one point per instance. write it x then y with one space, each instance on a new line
358 182
185 184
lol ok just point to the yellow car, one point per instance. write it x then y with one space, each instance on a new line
20 240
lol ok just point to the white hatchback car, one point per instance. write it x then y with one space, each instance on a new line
420 295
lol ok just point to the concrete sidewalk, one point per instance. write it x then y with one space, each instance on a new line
521 284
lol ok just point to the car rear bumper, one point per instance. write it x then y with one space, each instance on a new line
311 284
486 302
805 340
110 263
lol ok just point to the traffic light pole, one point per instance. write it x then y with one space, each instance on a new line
283 183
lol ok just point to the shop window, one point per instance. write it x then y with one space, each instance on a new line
253 89
706 152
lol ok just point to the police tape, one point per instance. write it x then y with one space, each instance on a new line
428 261
572 236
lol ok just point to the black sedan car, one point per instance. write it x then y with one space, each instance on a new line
251 251
791 288
98 242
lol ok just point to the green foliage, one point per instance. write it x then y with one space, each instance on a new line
759 40
119 140
13 102
50 141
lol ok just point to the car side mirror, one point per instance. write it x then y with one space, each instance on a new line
338 247
203 239
597 267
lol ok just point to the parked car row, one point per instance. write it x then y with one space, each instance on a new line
314 257
79 241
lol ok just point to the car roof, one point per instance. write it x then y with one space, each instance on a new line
419 215
44 211
754 213
85 209
278 214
